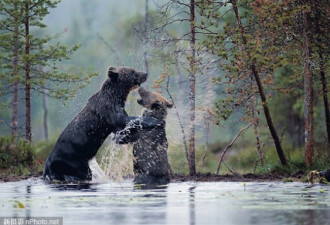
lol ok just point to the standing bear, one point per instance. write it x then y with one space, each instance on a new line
150 162
84 135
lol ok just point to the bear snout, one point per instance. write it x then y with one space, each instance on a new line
143 77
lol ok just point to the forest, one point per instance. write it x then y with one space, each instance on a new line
248 80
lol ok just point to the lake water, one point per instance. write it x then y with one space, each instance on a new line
177 203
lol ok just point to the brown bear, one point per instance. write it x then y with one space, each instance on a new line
83 136
150 161
325 174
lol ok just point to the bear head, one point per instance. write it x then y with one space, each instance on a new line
126 78
155 105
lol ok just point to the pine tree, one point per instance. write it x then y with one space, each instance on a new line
301 28
10 46
247 62
319 23
39 56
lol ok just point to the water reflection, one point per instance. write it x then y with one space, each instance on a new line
301 217
192 205
28 200
176 203
149 186
88 187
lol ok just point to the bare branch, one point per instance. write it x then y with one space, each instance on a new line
179 118
231 144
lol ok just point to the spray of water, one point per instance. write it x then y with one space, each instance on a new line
114 161
98 175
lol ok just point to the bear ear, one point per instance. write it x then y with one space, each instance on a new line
169 104
112 73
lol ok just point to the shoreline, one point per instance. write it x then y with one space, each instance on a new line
200 177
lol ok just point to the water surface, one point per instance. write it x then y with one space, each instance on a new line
177 203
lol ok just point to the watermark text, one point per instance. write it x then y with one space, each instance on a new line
31 220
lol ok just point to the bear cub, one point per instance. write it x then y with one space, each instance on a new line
150 161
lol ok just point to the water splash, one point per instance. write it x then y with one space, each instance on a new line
98 175
116 161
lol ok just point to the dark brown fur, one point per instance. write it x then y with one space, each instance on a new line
151 164
84 135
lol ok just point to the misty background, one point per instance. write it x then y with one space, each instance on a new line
106 32
111 34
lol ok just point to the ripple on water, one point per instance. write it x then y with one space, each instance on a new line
175 203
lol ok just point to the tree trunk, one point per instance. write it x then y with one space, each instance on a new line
145 44
269 120
15 73
44 104
261 91
325 99
192 166
27 76
14 128
308 98
317 7
260 153
256 134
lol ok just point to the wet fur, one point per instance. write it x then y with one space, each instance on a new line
84 135
150 162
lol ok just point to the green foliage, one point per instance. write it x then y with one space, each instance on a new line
45 56
15 152
19 157
42 149
274 45
243 158
245 161
238 51
29 59
177 159
268 35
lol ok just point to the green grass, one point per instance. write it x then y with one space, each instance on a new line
177 159
245 159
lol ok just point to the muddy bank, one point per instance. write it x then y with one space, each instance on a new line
13 178
208 177
201 177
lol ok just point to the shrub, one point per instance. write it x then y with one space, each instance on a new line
15 152
42 149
